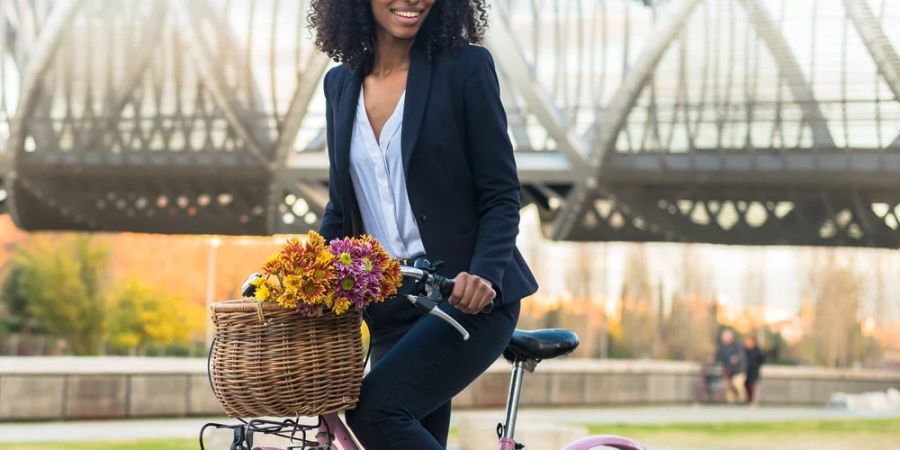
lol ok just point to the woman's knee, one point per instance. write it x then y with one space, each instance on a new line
373 424
370 414
360 418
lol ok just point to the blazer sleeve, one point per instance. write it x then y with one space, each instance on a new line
493 165
332 225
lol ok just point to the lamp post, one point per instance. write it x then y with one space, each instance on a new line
214 244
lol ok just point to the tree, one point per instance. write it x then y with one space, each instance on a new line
15 317
60 278
141 316
589 318
689 335
834 335
691 326
637 320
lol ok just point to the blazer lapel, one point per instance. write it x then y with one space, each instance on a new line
343 130
418 82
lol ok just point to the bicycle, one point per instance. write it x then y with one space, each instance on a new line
526 349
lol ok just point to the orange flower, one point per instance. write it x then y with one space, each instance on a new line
305 274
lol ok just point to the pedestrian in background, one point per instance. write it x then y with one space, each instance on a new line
755 360
731 356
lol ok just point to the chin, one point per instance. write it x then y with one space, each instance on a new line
404 35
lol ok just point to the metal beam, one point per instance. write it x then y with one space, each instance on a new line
45 48
315 196
877 43
307 81
254 137
536 167
844 167
790 71
513 64
73 209
120 97
674 18
625 98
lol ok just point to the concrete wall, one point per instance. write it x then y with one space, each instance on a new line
80 388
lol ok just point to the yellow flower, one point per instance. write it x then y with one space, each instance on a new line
262 293
288 299
291 282
324 258
273 264
341 306
301 273
315 238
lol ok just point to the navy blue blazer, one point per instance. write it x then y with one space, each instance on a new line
458 161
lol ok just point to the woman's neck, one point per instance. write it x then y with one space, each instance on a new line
391 54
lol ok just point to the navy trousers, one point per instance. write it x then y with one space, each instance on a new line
419 363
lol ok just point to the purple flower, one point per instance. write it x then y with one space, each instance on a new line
358 266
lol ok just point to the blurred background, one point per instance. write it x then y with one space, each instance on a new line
687 167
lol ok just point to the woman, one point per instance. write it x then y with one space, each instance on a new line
755 360
420 159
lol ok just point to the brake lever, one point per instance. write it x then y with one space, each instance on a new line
437 312
429 304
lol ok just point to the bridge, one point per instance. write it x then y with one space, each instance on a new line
722 121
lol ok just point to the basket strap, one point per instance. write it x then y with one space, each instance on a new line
259 313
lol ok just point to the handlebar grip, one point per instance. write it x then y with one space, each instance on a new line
446 288
445 285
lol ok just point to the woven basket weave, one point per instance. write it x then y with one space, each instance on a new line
271 361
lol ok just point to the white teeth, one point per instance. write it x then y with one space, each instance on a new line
410 14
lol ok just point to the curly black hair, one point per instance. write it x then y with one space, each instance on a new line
350 38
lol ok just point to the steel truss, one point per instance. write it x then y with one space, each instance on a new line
682 120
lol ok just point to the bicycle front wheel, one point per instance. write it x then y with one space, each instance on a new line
605 442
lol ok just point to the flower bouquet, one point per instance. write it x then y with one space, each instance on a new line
315 278
295 349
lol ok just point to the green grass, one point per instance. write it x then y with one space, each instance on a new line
839 434
818 427
878 434
161 444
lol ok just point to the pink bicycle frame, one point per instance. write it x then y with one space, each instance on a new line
587 443
617 442
333 424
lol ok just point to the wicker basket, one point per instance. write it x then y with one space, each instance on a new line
271 361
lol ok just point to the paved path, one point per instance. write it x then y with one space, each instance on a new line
188 428
676 414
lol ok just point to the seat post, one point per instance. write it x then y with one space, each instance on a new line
512 402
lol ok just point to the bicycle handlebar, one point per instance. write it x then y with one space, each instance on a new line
437 290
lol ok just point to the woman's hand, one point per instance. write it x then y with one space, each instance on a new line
471 293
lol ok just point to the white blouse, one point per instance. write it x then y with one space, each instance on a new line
379 182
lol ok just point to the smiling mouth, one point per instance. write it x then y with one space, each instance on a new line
407 13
